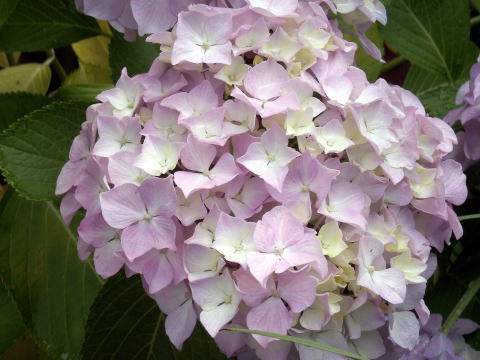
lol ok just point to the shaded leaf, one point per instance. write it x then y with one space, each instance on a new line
40 267
44 24
81 92
474 340
26 349
437 302
16 105
32 78
11 322
6 9
34 149
4 60
431 34
126 324
476 4
137 56
466 299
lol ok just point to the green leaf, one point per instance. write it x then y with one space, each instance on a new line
137 56
44 24
433 34
126 324
301 341
6 9
11 322
39 265
81 92
32 78
436 93
418 80
439 100
16 105
35 148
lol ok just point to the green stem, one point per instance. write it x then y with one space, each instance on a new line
301 341
393 64
469 217
452 318
62 75
475 21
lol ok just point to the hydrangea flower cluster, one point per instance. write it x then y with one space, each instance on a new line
254 178
467 152
151 16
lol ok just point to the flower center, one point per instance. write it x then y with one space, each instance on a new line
205 46
123 141
147 217
239 247
279 249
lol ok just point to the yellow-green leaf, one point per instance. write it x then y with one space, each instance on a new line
4 59
32 78
93 50
90 74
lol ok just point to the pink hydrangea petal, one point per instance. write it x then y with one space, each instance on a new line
69 207
272 316
180 323
297 289
139 238
122 206
158 273
107 262
404 329
190 182
159 196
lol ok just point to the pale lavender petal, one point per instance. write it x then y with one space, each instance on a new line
180 323
139 238
272 316
107 262
122 206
